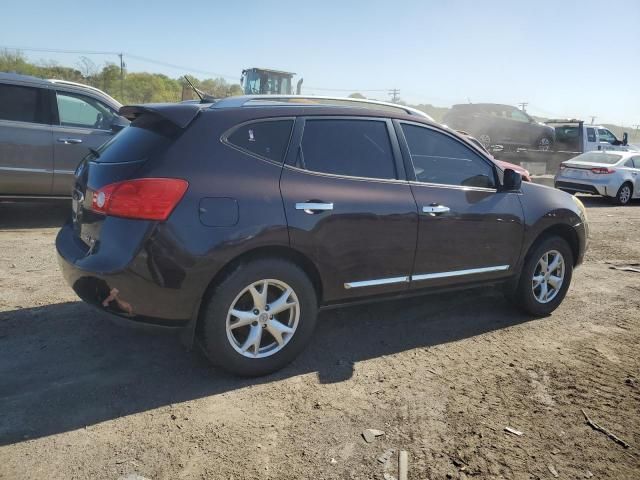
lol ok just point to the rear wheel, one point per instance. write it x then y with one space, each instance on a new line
545 277
623 197
260 317
545 144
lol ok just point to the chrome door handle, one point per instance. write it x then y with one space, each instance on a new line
313 207
435 209
70 141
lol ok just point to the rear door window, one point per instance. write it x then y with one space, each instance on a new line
439 158
591 134
349 147
23 104
267 139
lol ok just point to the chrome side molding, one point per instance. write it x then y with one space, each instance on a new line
373 283
458 273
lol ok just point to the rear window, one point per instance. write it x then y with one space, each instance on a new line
23 104
145 137
598 157
268 139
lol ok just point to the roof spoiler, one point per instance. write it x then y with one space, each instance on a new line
180 114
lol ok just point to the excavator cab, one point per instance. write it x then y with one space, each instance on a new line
260 81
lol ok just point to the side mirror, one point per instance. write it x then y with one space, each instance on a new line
625 139
512 181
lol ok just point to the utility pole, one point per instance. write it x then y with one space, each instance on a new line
523 106
636 126
395 95
121 77
593 119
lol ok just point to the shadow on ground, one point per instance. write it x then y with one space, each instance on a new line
593 201
31 214
66 366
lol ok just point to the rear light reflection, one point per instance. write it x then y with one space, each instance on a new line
143 198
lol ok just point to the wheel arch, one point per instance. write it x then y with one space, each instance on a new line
562 230
279 252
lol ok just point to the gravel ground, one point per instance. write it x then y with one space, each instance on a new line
81 397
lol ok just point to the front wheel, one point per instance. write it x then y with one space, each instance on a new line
260 317
545 277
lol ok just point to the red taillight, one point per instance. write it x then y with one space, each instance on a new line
143 198
602 170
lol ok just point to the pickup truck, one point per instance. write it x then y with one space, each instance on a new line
574 136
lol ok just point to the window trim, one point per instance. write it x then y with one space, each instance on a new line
224 138
56 114
410 168
396 153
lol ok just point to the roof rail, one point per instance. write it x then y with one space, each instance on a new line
265 100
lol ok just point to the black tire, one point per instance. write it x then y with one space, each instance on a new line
217 345
523 295
621 198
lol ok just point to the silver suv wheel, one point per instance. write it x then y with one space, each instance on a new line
548 276
263 318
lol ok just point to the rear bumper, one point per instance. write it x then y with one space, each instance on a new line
604 187
134 292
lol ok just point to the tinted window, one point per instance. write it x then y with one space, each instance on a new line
439 158
636 162
23 104
85 112
147 136
591 134
267 139
355 148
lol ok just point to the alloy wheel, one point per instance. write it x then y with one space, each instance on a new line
625 194
263 318
485 140
544 144
548 276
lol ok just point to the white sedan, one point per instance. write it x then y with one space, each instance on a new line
611 174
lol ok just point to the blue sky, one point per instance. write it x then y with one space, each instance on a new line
566 58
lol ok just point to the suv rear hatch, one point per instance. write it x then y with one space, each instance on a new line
113 180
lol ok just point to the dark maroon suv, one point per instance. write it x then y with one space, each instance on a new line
236 221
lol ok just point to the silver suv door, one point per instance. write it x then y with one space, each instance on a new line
84 123
26 150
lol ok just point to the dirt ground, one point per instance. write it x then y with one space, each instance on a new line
81 397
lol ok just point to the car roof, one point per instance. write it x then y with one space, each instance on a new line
471 105
46 83
182 113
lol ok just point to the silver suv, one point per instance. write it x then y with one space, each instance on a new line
46 128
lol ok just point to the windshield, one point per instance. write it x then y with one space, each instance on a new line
598 157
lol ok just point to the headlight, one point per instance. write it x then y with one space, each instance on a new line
581 206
